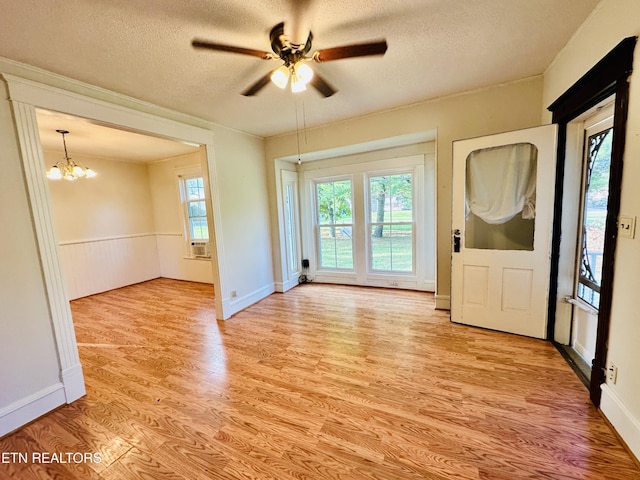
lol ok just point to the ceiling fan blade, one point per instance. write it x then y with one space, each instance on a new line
231 49
259 85
349 51
321 85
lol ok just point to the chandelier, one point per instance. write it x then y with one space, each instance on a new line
67 168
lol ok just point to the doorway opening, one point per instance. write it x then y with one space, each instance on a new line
588 203
607 79
125 222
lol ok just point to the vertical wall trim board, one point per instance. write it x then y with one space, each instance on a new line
62 322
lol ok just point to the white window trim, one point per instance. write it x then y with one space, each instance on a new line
182 174
316 223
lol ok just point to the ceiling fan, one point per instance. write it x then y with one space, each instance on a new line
295 58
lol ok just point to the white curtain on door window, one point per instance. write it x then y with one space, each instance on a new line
501 182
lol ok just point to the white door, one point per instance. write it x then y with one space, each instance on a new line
503 192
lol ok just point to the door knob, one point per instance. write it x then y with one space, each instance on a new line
456 240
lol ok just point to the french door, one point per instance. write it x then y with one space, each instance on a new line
503 192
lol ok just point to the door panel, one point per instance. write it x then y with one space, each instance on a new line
502 215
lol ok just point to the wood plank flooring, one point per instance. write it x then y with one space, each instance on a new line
322 382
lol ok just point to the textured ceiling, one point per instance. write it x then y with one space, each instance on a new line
142 48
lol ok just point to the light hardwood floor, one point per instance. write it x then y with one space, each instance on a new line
322 382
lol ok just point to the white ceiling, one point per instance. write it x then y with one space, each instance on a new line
142 48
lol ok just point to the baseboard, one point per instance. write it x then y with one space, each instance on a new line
231 306
627 426
28 409
443 302
73 382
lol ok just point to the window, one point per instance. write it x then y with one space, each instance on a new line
594 214
335 228
370 222
192 193
391 223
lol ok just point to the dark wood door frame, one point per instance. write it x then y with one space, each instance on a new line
608 77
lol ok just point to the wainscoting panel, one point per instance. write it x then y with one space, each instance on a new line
95 266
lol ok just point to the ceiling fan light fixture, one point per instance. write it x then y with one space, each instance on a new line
280 77
297 84
303 71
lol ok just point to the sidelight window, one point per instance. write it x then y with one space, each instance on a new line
594 214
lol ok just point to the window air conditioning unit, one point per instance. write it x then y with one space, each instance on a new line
200 250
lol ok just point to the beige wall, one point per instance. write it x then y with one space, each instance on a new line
612 21
244 210
115 203
168 222
492 110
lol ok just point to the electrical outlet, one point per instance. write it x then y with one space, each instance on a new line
627 226
612 373
234 294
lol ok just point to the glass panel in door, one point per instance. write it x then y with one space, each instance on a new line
501 197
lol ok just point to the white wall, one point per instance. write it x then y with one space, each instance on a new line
491 110
168 222
610 22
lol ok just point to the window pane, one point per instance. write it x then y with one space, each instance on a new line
336 247
391 198
195 188
198 228
334 202
392 247
500 197
197 209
